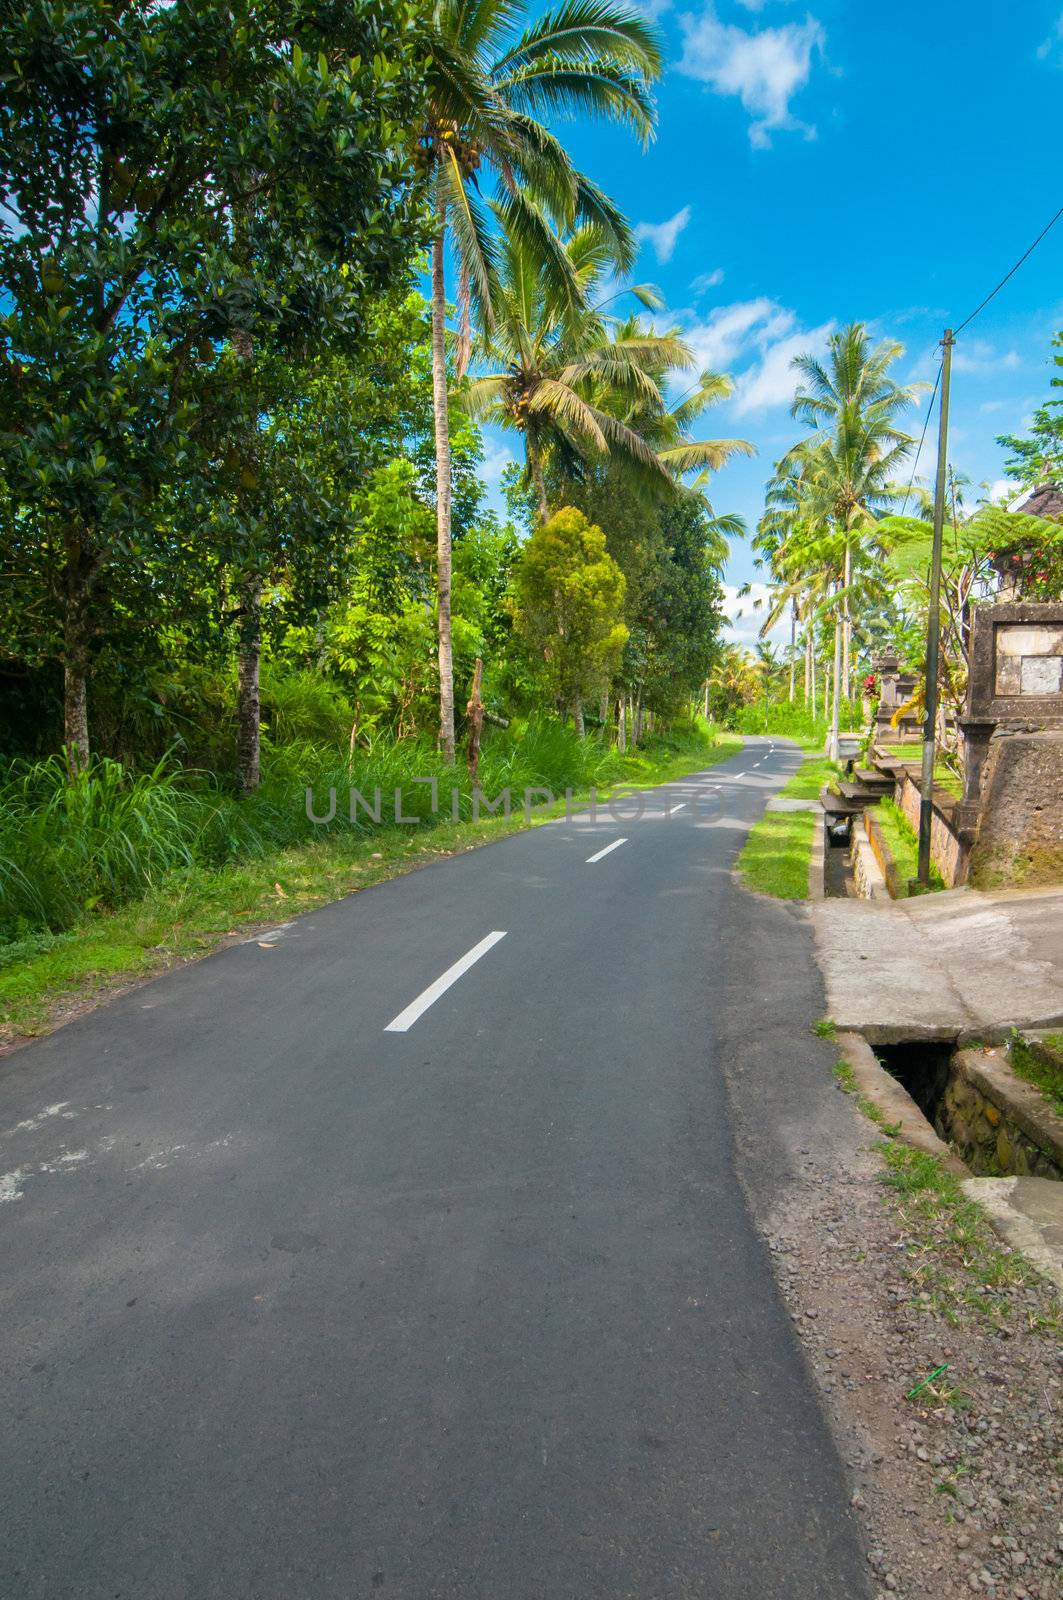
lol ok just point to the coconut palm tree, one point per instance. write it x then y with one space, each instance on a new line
488 85
574 382
555 357
853 405
842 473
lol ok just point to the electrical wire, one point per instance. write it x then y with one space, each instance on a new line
922 440
1024 257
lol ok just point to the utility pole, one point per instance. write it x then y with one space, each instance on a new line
933 626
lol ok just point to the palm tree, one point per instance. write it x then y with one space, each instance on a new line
488 84
556 356
844 468
576 383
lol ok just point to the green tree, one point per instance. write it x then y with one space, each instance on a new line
1040 456
569 603
488 85
173 179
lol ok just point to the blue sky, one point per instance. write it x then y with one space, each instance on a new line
853 160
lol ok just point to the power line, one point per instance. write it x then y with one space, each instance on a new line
922 439
1024 257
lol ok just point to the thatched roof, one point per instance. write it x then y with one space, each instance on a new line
1044 501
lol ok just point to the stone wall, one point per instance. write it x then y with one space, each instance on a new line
1000 1125
1020 832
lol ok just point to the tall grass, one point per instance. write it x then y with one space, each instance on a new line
71 845
795 721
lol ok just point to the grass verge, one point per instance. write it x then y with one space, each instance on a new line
956 1263
902 843
46 977
775 857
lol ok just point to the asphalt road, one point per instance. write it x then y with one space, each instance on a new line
292 1305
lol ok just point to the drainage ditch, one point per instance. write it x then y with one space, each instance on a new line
974 1103
837 872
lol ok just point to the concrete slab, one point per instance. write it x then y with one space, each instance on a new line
782 802
955 965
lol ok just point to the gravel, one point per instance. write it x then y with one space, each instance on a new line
960 1490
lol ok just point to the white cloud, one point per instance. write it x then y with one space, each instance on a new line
978 358
496 459
764 69
746 615
772 381
707 280
1052 49
760 337
1004 489
725 333
663 235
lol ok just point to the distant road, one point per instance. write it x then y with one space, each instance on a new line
405 1258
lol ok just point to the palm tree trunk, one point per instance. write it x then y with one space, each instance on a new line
812 665
826 694
621 723
836 696
847 622
535 467
793 650
808 660
442 425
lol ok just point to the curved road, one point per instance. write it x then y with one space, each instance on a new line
321 1278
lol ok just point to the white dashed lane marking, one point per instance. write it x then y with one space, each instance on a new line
417 1008
609 847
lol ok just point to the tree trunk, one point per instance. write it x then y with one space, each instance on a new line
535 467
847 621
577 717
475 713
812 668
75 717
76 633
248 701
793 650
826 692
621 723
836 695
442 424
636 721
706 712
808 660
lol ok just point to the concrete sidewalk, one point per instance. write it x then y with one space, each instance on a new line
942 966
